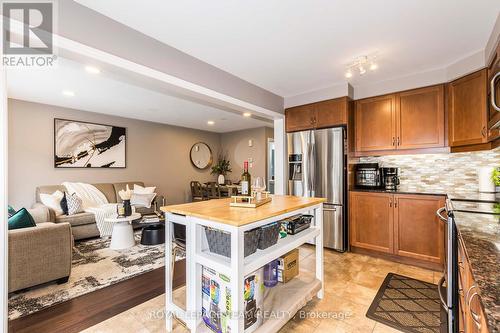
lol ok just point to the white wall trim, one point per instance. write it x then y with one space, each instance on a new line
3 199
180 85
280 162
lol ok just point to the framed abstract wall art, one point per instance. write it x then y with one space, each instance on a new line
79 144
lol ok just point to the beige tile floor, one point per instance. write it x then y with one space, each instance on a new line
351 282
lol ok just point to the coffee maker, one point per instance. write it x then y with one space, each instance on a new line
390 178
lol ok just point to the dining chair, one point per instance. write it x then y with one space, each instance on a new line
197 191
213 190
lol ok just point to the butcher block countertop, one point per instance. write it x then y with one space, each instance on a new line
219 210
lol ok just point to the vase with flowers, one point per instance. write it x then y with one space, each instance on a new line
221 168
125 195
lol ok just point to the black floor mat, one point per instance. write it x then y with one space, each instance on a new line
407 305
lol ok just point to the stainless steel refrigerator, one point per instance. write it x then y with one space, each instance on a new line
317 168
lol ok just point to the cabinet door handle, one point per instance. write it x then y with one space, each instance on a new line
438 213
493 91
394 141
475 317
396 203
398 142
390 202
467 299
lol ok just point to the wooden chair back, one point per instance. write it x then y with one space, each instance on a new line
213 190
197 192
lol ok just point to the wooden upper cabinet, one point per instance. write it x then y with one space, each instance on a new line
493 114
418 232
375 123
332 112
371 221
299 118
411 119
467 110
420 118
323 114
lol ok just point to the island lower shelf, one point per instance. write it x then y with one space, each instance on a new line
278 310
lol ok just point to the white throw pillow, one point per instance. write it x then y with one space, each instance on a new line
144 200
138 189
53 201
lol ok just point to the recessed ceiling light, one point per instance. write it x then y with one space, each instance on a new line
348 74
247 114
92 69
211 122
373 66
68 93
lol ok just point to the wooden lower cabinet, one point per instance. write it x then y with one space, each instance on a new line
471 315
372 221
418 232
401 225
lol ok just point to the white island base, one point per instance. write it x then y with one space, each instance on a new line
281 302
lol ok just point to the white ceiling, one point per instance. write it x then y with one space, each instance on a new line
103 93
294 46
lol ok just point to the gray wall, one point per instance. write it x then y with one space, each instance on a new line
235 144
157 154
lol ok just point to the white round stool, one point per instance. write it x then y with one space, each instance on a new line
122 236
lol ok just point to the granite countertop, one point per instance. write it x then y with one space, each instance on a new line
453 195
481 236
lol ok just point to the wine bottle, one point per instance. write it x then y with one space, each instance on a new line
246 181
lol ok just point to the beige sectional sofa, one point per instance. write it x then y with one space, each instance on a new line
39 254
83 225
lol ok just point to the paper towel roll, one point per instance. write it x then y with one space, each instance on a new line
484 179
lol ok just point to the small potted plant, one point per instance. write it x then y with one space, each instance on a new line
221 168
495 177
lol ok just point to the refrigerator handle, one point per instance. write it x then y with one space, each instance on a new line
313 169
308 169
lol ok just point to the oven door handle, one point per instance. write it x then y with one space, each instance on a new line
441 298
438 213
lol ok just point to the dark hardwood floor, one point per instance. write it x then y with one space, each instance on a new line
87 310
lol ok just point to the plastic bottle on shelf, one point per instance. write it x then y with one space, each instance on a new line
271 274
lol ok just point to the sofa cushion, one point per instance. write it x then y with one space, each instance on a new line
21 219
76 219
108 190
122 186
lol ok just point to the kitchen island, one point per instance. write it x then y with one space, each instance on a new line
217 214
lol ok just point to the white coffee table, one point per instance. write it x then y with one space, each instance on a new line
122 236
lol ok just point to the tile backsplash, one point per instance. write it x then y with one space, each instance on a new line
439 172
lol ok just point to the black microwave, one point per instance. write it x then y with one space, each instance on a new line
367 175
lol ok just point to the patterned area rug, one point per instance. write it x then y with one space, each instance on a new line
408 305
95 266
